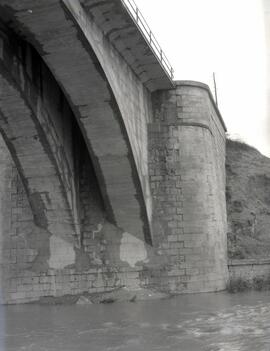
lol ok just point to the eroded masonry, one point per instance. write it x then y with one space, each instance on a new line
112 174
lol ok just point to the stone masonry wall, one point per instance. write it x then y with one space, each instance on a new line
187 177
186 153
249 269
33 266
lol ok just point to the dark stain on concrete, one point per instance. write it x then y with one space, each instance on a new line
39 209
82 260
115 30
10 16
14 157
97 4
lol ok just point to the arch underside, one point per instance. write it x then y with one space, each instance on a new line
67 53
35 147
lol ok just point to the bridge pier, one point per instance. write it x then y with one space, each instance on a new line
187 177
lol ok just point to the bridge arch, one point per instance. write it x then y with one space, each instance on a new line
98 107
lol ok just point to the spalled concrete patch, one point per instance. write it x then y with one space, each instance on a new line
38 239
111 236
132 249
62 253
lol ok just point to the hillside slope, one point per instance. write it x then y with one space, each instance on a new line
248 201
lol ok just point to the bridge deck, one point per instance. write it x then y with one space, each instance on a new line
129 33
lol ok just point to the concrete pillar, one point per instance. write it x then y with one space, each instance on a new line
187 168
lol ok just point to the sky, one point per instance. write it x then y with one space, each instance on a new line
227 37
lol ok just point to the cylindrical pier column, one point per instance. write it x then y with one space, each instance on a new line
187 168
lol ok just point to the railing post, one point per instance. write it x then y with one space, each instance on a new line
137 14
150 37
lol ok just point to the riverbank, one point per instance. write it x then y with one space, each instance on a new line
248 201
241 284
121 294
249 274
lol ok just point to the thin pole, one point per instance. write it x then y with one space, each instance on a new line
215 87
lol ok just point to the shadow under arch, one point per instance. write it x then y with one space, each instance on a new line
31 136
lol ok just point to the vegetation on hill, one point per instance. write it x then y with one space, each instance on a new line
248 201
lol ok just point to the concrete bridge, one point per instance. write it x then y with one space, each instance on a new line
112 174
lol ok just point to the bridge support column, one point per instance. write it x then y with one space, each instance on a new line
187 168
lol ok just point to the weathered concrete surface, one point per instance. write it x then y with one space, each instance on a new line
170 239
35 263
32 126
189 245
110 102
187 155
124 35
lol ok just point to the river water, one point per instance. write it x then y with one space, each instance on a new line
202 322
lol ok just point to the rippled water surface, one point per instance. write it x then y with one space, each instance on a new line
204 322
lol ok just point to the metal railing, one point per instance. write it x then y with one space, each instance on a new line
141 23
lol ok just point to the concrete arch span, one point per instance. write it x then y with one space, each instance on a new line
118 155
